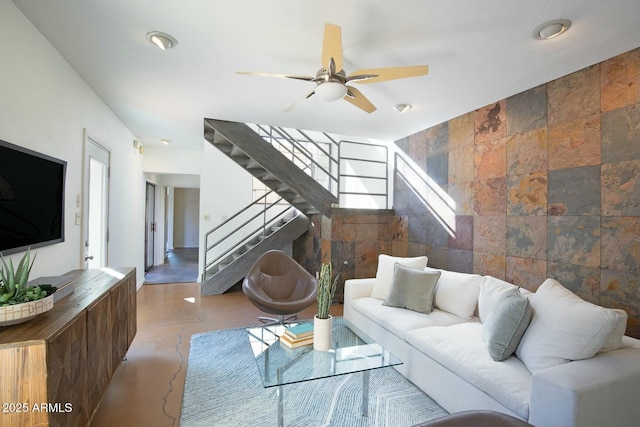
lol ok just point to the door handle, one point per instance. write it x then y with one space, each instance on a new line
88 257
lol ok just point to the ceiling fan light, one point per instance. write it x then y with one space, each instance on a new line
163 40
331 91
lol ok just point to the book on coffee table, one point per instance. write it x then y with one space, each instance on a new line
301 330
295 343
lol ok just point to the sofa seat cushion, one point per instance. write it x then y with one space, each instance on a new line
399 321
460 349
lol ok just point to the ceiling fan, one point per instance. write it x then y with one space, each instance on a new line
331 80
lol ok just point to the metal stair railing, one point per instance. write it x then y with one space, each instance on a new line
364 174
254 223
357 172
298 151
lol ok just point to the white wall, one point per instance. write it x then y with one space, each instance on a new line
224 186
186 210
44 106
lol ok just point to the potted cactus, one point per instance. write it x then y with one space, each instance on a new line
18 301
322 320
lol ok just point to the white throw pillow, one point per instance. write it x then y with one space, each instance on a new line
492 290
457 293
564 327
384 275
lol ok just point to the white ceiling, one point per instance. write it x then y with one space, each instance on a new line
478 52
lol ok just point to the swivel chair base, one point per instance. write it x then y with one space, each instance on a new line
281 320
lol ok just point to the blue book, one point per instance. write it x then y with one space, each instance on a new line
301 330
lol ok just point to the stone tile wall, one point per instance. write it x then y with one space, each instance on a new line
543 184
351 240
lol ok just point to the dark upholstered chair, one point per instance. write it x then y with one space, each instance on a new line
476 419
278 285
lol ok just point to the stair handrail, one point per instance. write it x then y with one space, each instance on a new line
345 175
237 214
251 235
332 160
248 236
295 143
273 140
313 141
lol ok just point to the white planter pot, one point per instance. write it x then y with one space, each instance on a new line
322 334
20 313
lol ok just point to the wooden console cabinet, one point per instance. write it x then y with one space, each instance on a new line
55 368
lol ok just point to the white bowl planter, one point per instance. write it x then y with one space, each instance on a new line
20 313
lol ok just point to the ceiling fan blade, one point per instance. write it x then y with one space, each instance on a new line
355 97
332 46
391 73
286 76
295 104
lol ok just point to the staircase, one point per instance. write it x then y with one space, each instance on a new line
248 149
300 168
227 270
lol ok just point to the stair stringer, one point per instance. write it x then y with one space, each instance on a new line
274 162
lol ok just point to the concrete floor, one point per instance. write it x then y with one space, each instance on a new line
147 388
180 266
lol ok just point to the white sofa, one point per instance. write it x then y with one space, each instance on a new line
444 352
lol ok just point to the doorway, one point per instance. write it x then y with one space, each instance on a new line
95 221
150 227
179 215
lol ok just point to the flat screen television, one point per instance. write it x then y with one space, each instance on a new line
31 199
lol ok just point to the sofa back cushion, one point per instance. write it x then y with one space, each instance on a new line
457 293
564 327
384 275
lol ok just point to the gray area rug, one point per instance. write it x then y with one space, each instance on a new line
223 388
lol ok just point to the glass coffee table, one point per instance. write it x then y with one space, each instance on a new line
279 365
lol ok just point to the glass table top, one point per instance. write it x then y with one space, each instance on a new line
281 365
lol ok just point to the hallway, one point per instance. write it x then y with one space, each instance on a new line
180 266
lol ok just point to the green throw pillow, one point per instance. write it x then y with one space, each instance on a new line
506 325
412 289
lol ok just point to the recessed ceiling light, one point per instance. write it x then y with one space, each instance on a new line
165 141
551 29
163 40
401 108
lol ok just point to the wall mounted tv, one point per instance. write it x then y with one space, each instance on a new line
31 199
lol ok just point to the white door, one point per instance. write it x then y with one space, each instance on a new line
95 221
